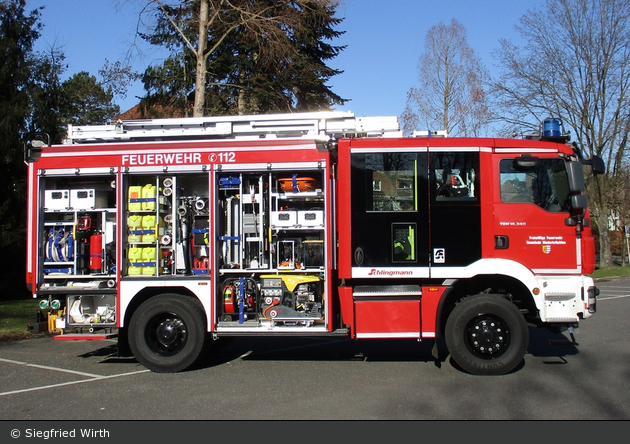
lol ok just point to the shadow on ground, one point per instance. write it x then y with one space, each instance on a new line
542 344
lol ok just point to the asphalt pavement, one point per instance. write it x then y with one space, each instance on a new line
309 379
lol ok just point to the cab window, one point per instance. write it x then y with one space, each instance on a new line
393 178
455 176
545 185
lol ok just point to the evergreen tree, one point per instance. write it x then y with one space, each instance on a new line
310 70
294 80
275 63
18 32
87 102
33 99
47 102
170 85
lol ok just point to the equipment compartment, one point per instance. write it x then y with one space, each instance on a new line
77 234
167 218
271 229
91 310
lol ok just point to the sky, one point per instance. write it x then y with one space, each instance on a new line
384 40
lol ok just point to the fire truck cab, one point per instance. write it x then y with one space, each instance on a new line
171 233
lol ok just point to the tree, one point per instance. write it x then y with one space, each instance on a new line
250 56
47 102
117 77
32 99
296 81
18 32
450 95
575 65
80 100
87 101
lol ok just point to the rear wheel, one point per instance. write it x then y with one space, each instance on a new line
486 335
167 333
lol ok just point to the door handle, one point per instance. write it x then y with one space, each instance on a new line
501 242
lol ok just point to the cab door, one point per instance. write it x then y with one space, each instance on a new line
532 214
390 224
455 210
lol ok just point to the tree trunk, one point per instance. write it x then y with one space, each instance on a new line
605 255
200 80
241 105
597 190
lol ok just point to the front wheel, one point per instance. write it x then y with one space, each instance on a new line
486 335
167 333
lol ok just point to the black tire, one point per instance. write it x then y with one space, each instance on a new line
167 333
486 335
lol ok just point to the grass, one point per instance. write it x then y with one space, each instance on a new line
15 316
614 271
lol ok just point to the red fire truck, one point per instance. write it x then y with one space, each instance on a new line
172 233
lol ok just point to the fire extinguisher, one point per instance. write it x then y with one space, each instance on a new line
96 253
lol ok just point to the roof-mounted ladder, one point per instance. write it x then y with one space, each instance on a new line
323 125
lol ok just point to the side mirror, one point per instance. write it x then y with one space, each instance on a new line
576 177
579 202
596 163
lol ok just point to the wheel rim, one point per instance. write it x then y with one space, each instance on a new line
487 336
166 334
